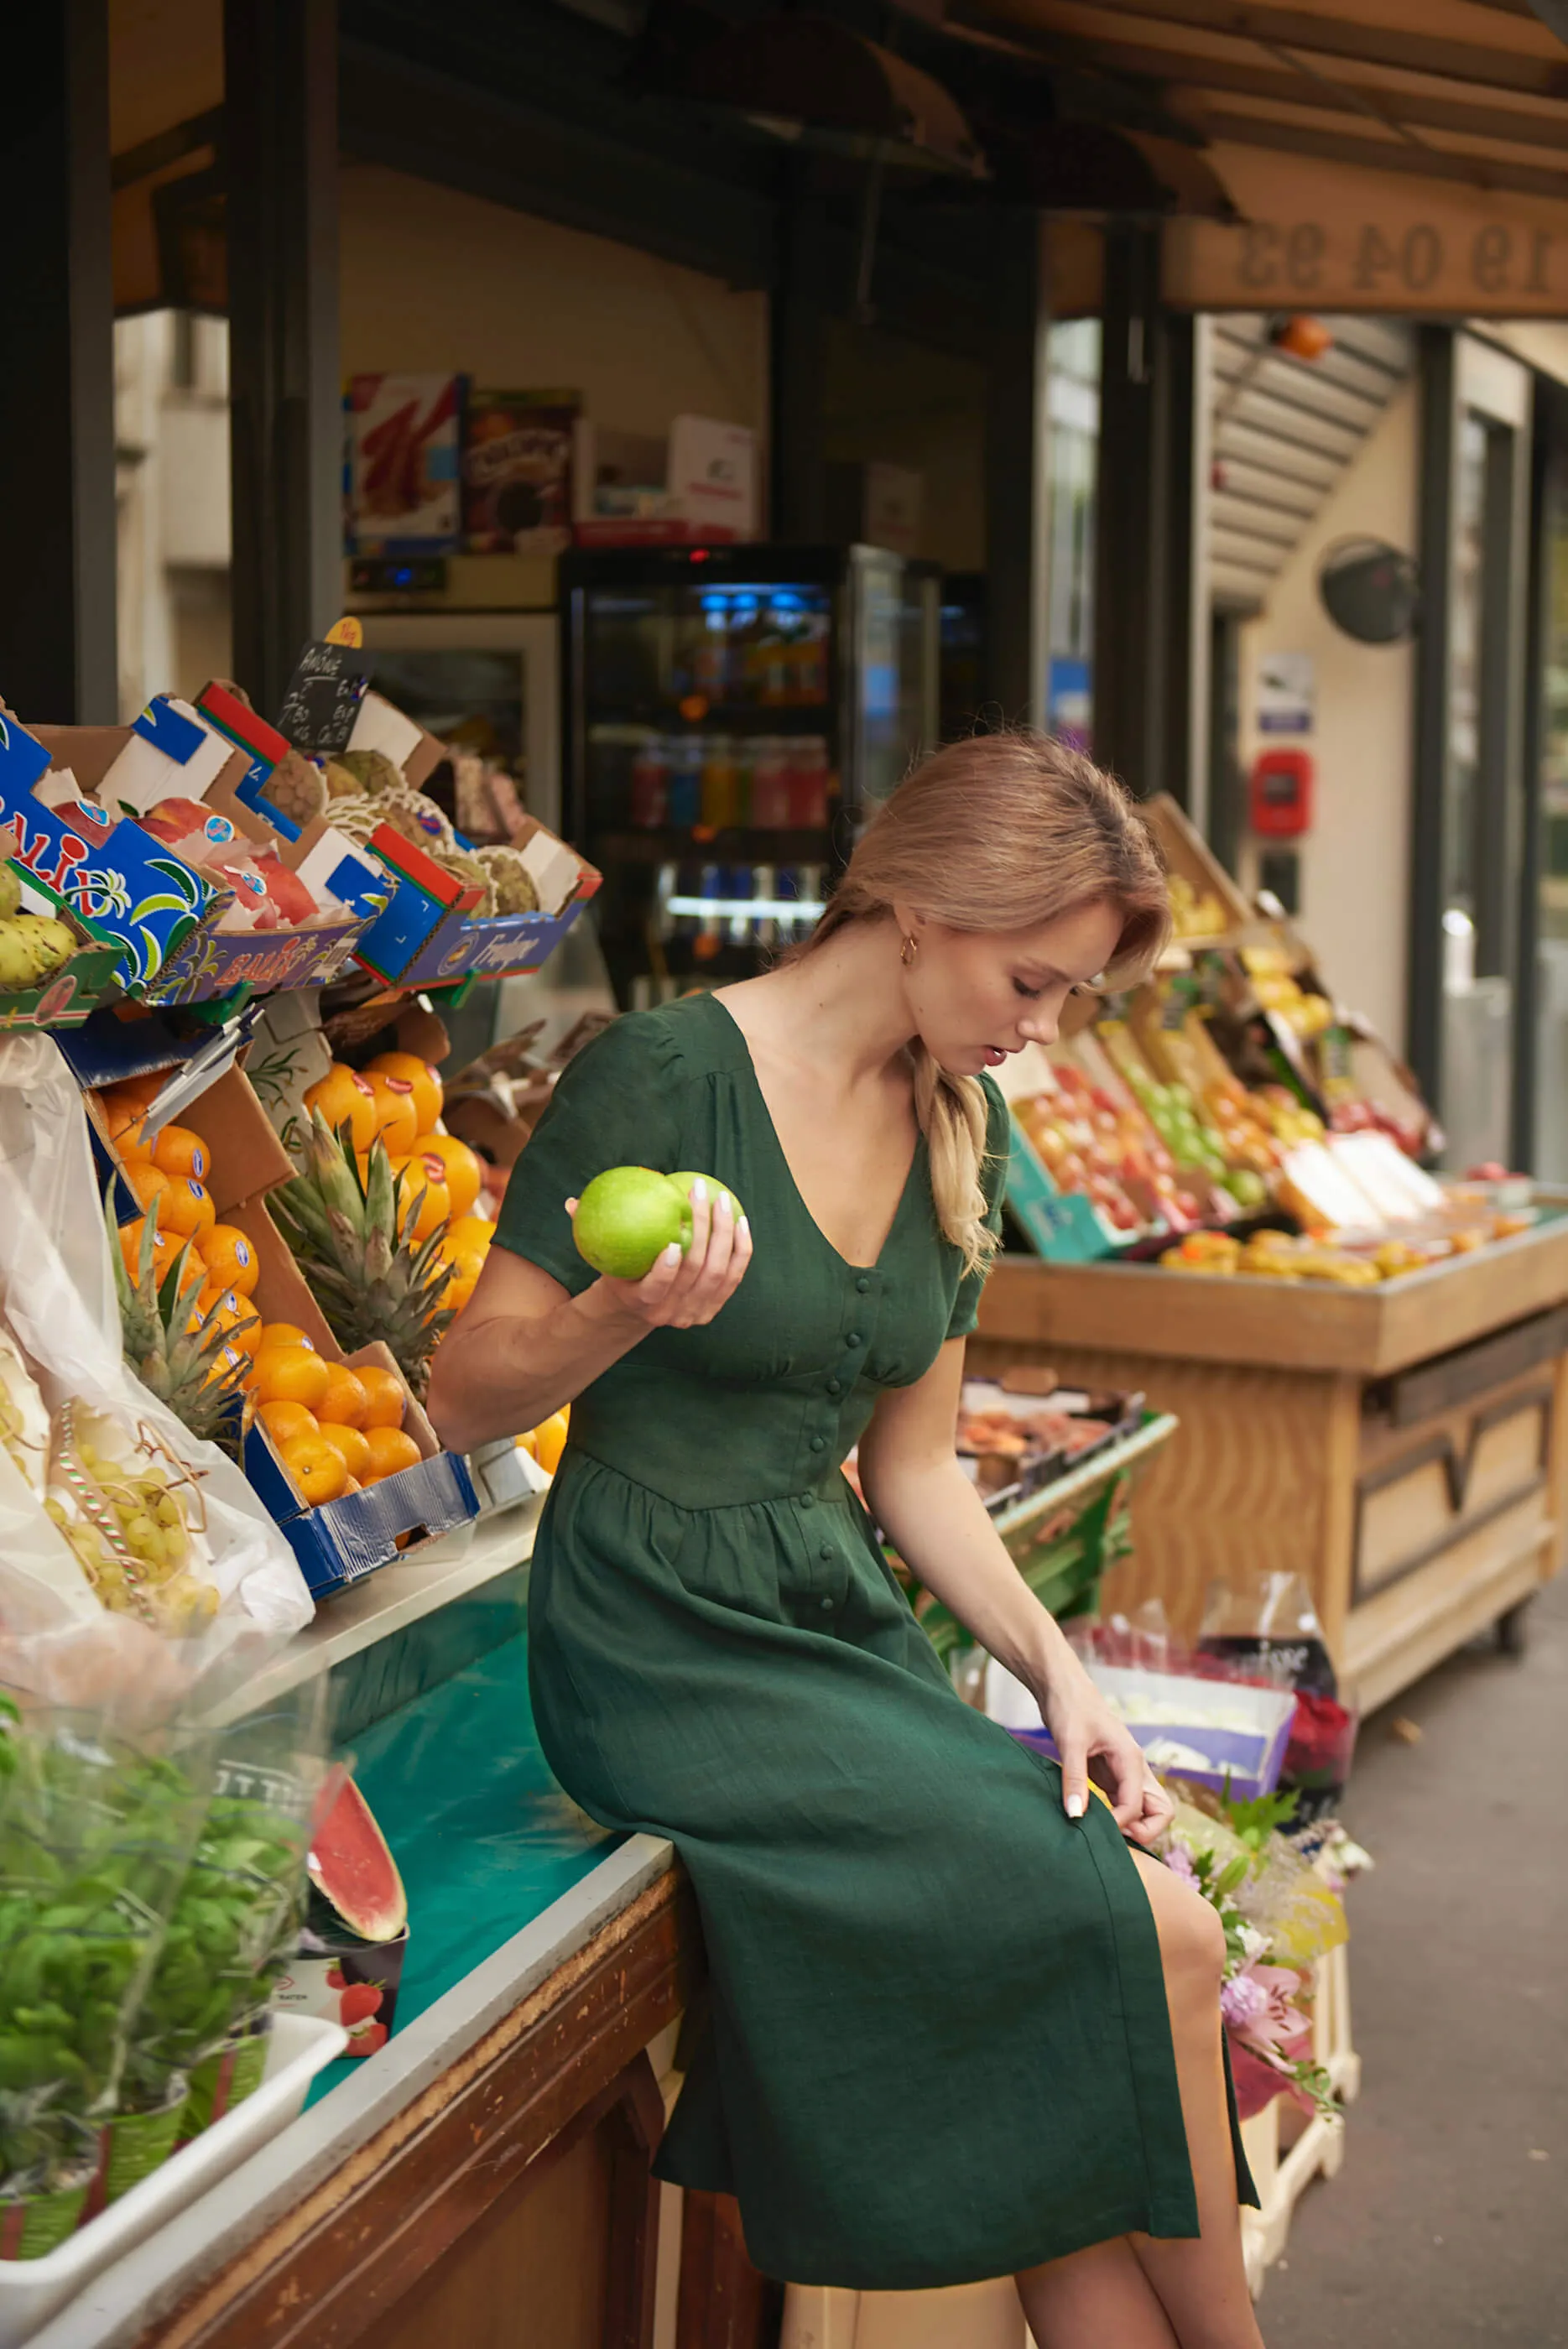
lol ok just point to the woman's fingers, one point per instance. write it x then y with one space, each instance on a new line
1122 1762
1074 1750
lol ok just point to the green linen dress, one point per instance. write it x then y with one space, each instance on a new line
938 2046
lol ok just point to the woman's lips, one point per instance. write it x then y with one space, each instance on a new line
994 1056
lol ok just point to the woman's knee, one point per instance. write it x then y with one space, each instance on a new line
1191 1938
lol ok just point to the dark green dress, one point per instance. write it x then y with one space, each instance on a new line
938 2047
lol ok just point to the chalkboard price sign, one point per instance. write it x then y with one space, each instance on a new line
323 698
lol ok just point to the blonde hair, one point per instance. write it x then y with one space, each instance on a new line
1003 832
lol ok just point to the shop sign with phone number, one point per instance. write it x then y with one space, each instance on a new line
1459 265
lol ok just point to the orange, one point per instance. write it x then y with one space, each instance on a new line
353 1485
149 1182
354 1446
462 1171
183 1206
179 1151
343 1098
231 1258
396 1119
384 1397
422 1190
283 1421
390 1450
550 1439
234 1315
289 1375
471 1231
428 1101
122 1106
226 1359
283 1333
131 1143
344 1400
317 1468
461 1286
164 1249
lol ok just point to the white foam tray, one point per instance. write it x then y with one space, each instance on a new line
32 2290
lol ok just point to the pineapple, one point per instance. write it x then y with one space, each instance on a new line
352 1237
178 1364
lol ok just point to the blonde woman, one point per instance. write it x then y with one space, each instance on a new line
959 2026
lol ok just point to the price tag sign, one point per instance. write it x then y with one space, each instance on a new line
323 699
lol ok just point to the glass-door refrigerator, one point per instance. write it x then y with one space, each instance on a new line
728 713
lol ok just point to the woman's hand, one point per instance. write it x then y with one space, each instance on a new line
682 1292
1093 1742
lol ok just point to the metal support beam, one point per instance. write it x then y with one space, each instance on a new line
58 660
798 344
287 422
1424 1018
1134 560
1015 429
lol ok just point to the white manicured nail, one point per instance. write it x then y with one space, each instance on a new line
671 1253
723 1204
1074 1807
744 1229
699 1190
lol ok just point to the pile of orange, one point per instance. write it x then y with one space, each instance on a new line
546 1441
336 1429
398 1099
168 1172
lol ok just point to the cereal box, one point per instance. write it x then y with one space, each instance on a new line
517 472
405 438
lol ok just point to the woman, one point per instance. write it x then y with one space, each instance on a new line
958 2027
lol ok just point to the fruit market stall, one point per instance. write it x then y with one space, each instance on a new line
1219 1179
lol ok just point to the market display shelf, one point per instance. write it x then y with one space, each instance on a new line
1081 1484
1299 1325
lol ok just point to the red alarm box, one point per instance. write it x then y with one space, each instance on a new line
1280 794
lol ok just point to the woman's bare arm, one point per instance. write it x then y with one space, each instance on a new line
937 1522
523 1345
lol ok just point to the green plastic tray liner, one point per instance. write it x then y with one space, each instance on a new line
484 1837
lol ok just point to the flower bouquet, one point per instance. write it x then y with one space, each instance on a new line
1281 1908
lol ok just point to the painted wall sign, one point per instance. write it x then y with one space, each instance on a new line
1330 236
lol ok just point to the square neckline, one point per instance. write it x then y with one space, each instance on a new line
848 1262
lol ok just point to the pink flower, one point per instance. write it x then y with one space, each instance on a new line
1258 2004
1179 1860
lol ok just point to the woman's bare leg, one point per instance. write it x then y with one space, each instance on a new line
1097 2299
1200 2280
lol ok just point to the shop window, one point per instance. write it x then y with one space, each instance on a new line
1073 400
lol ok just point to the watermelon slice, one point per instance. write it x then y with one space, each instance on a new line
353 1870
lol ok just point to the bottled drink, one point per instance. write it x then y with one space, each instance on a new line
808 784
811 659
765 884
739 882
685 800
650 783
710 666
769 783
720 781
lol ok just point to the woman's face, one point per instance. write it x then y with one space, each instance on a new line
975 996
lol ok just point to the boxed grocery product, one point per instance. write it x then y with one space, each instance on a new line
108 869
517 472
55 966
405 491
1225 1735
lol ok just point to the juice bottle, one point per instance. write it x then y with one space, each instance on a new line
685 802
650 783
769 783
808 784
710 667
719 779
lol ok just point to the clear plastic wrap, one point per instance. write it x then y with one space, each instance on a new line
85 1596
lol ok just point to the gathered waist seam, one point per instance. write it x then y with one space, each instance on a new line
833 1495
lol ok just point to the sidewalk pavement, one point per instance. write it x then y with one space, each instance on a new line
1448 2222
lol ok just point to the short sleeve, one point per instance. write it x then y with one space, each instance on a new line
994 1182
618 1103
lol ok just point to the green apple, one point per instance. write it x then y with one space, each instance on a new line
716 1190
626 1219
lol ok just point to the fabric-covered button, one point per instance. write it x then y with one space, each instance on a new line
807 1500
834 1387
827 1606
863 1284
825 1553
819 1443
854 1339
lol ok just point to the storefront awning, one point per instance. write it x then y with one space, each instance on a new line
1400 155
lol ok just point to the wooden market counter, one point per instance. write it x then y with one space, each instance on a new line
486 2177
1404 1448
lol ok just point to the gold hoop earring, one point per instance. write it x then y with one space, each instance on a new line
907 951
